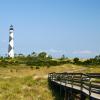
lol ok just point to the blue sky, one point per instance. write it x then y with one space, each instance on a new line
70 27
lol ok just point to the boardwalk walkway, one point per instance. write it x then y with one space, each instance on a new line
87 84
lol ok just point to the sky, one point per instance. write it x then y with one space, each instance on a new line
69 27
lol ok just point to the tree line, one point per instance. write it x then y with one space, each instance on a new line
33 59
90 61
43 59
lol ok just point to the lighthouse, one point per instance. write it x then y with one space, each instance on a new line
11 42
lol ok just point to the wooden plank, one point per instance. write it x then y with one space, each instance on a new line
78 81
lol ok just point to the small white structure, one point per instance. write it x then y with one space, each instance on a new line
11 42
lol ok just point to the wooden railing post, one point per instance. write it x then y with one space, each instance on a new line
90 90
65 98
72 79
83 81
60 84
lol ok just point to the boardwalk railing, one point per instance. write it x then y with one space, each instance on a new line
88 83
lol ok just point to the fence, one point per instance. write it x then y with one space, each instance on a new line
88 83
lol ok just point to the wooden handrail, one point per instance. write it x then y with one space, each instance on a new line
84 81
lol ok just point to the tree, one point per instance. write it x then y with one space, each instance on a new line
42 55
76 60
97 57
62 57
33 54
20 55
49 57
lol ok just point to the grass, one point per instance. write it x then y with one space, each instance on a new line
23 70
26 83
24 89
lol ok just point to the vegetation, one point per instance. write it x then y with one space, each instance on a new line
25 77
24 83
91 61
24 88
43 59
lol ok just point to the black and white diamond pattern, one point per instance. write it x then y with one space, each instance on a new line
11 43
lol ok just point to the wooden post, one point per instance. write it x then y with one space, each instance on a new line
72 79
90 91
60 90
60 85
65 98
83 97
68 94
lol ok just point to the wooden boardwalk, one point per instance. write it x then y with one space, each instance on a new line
87 84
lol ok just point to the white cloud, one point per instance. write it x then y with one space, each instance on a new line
68 53
55 51
83 52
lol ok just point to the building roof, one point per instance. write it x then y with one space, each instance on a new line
11 27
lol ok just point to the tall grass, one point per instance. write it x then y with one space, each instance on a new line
24 89
21 84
